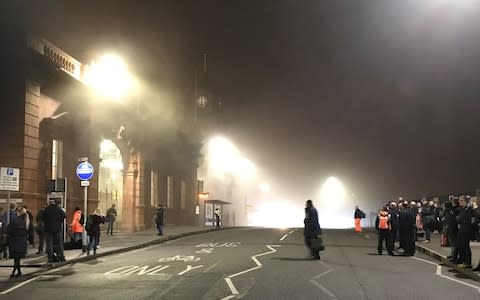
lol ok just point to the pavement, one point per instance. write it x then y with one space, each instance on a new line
434 250
109 244
249 263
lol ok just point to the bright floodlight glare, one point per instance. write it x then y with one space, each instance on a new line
244 169
222 156
278 214
110 76
265 187
333 192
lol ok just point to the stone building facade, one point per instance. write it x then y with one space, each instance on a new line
50 118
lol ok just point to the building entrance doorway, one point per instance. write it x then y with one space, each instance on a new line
110 180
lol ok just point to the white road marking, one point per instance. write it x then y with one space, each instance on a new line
291 231
322 274
367 236
230 284
123 269
332 295
284 237
189 268
153 272
424 260
144 270
210 268
438 272
461 282
232 287
28 281
319 285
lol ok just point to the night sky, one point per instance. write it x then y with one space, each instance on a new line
382 94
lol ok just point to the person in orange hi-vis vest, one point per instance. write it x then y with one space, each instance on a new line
76 226
358 216
383 226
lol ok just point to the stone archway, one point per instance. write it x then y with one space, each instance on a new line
110 179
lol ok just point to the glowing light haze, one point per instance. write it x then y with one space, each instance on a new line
109 76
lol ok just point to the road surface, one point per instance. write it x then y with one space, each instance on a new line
249 263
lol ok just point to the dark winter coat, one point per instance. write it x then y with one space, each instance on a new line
406 221
464 220
159 219
358 214
312 227
111 214
394 221
18 235
450 220
93 227
53 217
13 216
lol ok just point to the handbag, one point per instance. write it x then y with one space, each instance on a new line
444 240
317 244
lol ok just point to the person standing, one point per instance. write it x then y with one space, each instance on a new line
18 232
93 230
31 237
76 225
40 229
159 219
464 220
111 215
428 216
312 228
217 217
53 217
358 216
406 227
476 213
383 227
394 224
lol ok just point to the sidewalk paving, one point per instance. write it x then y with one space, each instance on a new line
109 244
434 249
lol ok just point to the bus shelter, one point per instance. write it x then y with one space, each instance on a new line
209 211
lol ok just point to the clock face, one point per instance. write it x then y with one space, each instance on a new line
202 101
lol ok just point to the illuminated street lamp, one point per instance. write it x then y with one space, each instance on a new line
109 76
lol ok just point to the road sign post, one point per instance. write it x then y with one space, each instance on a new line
85 173
9 181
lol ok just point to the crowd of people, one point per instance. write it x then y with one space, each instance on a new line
17 231
456 219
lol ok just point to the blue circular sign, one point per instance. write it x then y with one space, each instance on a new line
85 171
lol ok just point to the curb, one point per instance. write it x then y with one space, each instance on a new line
50 266
467 272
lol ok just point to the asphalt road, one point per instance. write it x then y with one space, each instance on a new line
250 263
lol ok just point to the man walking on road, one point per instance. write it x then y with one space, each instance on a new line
53 217
111 215
159 219
312 229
